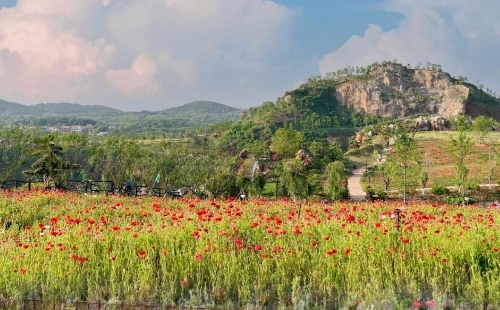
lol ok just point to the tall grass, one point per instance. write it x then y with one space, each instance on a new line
256 254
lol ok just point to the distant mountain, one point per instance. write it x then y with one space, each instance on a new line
43 109
11 108
182 118
209 107
70 109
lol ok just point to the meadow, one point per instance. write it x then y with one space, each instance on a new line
260 254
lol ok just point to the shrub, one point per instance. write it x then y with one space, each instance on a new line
440 190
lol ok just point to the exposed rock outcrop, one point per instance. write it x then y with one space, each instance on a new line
395 91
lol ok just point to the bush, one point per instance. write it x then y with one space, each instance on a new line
440 190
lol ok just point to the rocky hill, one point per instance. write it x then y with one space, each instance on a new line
392 90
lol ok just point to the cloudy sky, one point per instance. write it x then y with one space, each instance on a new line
154 54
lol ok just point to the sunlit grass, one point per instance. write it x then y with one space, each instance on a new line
257 254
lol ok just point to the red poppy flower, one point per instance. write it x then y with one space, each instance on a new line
430 303
417 304
332 252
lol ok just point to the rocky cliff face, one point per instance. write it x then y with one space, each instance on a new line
395 91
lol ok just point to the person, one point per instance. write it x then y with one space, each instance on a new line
144 190
127 189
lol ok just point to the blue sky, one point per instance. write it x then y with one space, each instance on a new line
154 54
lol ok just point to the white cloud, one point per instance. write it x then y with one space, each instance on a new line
139 80
158 53
462 36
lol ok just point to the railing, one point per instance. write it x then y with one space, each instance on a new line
95 187
38 304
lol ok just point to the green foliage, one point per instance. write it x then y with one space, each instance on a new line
286 142
406 167
482 125
293 178
335 175
16 148
440 190
52 163
459 148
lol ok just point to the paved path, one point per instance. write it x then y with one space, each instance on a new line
356 191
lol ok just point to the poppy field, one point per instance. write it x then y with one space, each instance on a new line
248 255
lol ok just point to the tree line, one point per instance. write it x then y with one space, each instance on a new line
199 162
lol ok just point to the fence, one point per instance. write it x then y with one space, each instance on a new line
92 187
38 304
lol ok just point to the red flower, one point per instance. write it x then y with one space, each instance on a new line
197 256
430 303
495 250
347 251
22 270
116 228
417 304
258 247
444 260
332 252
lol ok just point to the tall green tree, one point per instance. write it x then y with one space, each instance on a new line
482 125
293 178
286 142
459 148
222 180
334 185
52 163
116 159
16 148
407 158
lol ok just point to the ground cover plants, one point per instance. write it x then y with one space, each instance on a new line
248 255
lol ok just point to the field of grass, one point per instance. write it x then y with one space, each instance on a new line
261 254
437 160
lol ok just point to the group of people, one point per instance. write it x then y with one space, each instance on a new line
127 189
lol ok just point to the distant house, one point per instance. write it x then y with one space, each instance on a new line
65 129
89 128
77 129
112 128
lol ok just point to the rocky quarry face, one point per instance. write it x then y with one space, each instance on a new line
395 91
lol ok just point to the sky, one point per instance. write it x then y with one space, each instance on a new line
137 55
